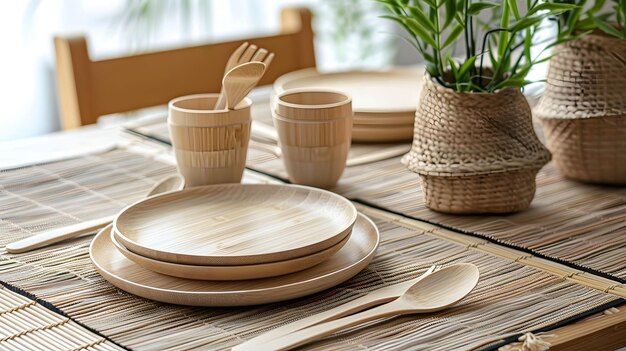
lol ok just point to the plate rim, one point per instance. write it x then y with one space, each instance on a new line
126 252
278 86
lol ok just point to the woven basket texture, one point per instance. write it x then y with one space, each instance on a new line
589 149
475 152
583 109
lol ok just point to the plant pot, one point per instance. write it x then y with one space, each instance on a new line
583 109
475 152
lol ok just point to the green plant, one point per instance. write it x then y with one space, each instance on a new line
589 15
498 38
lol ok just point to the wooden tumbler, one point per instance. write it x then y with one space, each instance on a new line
210 145
314 132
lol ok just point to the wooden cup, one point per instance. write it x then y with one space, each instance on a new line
314 131
315 166
210 145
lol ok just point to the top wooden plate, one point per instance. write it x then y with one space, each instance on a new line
389 91
235 224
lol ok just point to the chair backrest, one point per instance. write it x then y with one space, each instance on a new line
89 89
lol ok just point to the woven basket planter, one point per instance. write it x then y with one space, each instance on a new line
583 109
475 152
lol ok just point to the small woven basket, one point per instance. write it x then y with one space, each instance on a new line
475 152
583 109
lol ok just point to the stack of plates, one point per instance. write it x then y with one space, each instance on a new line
235 244
383 102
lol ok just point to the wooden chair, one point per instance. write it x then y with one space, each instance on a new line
89 89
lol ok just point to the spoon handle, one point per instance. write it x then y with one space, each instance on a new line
384 295
289 341
221 100
52 236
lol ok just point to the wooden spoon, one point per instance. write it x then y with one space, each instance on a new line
432 293
53 236
244 53
240 80
374 298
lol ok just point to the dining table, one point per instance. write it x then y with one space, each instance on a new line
552 276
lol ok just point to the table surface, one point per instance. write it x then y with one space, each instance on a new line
606 333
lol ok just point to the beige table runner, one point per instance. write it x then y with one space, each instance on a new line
511 298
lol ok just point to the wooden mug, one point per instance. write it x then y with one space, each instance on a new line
210 145
314 133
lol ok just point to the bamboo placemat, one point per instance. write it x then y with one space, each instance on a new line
511 298
26 325
567 221
570 221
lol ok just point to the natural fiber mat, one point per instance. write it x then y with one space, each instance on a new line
511 298
26 325
568 221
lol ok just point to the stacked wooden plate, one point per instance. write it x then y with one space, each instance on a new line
384 102
234 244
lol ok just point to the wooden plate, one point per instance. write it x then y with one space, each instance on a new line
353 257
399 119
235 224
244 272
379 134
396 90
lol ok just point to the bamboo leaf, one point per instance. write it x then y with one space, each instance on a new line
453 35
607 28
419 15
465 67
528 45
421 32
597 6
572 19
552 7
431 3
586 24
450 12
504 36
527 22
477 7
516 83
514 9
453 68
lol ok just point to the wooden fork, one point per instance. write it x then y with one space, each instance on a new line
244 53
